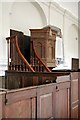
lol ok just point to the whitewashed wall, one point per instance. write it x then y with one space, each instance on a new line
23 16
70 39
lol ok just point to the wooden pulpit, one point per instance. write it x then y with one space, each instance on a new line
44 41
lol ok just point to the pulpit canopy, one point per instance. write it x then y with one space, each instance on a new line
54 28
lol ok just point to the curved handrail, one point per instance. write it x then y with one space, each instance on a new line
48 70
14 39
18 50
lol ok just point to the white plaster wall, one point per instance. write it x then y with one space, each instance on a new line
79 32
45 7
23 16
56 17
79 42
69 27
0 27
70 40
3 33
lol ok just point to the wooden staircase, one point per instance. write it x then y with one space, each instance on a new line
17 61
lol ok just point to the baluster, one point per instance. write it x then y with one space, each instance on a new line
17 62
8 43
34 60
23 66
11 67
35 63
14 52
38 66
26 69
14 67
20 65
14 55
31 60
43 70
11 52
9 64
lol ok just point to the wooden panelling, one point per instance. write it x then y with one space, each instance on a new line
21 103
74 95
18 95
15 80
79 93
62 100
45 106
74 89
45 101
42 101
0 105
2 81
21 109
34 107
75 112
74 75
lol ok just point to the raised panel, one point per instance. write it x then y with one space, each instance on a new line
39 49
21 109
74 95
61 108
21 103
46 106
74 89
79 94
50 52
75 112
46 101
0 105
34 108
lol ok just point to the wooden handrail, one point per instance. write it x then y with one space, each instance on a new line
15 42
18 50
22 64
48 70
